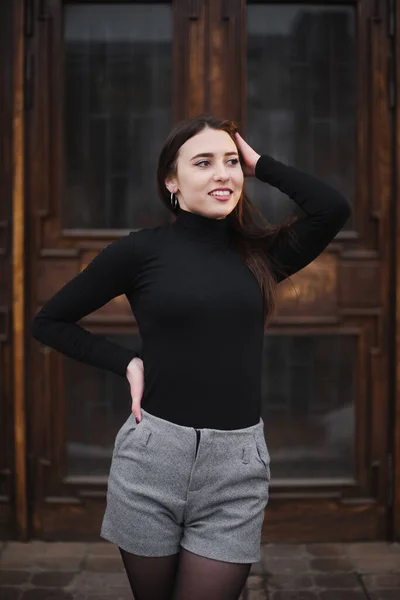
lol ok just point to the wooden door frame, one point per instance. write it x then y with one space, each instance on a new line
19 271
19 324
395 525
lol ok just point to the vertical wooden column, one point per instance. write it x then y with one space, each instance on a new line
18 262
209 58
226 59
7 476
396 424
190 40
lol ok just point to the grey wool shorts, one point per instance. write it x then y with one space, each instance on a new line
202 489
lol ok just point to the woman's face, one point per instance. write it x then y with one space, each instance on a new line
206 162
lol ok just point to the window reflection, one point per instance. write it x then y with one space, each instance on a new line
301 91
118 71
308 405
97 403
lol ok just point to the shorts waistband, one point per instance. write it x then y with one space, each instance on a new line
176 429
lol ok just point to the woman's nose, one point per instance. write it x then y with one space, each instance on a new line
221 173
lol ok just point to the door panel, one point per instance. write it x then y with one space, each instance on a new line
102 104
301 94
313 101
117 110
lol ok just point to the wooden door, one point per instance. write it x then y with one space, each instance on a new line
319 97
309 85
108 81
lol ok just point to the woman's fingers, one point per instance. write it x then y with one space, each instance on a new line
137 386
135 376
250 156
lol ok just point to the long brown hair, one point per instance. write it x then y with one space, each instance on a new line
251 238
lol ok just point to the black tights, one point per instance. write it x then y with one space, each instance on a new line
184 576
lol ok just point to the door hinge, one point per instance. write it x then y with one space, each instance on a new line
391 75
29 74
389 476
391 63
44 11
29 18
391 18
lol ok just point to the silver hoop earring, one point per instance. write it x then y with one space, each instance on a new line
174 201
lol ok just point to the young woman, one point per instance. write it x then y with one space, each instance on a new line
190 473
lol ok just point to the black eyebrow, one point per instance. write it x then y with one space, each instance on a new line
210 154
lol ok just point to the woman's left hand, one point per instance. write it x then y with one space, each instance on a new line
250 156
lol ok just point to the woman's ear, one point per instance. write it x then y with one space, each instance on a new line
171 186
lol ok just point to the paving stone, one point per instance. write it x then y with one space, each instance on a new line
367 549
110 564
102 549
283 550
255 582
31 555
343 595
10 593
384 595
325 550
58 563
59 549
331 565
46 594
94 582
286 565
379 564
113 595
382 581
10 563
14 577
38 547
257 568
294 596
337 581
290 582
53 578
256 595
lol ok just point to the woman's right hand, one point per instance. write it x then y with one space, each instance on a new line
135 376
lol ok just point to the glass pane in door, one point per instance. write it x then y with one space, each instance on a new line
97 403
301 95
308 405
117 113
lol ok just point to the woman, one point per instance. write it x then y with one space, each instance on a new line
189 476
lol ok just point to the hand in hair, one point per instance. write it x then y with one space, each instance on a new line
250 156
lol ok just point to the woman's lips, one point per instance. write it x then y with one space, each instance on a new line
224 198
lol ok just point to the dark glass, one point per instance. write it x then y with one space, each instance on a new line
117 113
97 403
308 405
301 96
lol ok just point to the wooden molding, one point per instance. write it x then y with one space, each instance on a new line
18 276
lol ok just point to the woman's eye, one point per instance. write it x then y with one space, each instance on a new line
233 160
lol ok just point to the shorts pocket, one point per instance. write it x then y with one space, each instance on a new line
263 456
127 429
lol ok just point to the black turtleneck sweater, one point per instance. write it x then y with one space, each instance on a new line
198 307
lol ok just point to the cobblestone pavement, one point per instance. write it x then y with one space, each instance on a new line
87 571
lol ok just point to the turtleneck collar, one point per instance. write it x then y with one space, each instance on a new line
203 228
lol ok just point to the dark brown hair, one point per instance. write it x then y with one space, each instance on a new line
251 238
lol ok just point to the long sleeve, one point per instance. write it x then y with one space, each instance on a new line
108 275
326 212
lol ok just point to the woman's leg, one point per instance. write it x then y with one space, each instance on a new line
199 578
150 577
